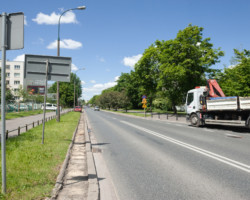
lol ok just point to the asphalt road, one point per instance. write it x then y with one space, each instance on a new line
158 159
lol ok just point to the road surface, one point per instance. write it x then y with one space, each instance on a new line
158 159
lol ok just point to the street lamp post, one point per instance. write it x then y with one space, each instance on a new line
58 54
75 85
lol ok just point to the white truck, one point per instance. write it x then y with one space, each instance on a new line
208 105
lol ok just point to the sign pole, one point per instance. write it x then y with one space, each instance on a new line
45 95
3 141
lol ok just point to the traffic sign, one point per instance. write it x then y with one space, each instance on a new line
144 100
144 106
144 97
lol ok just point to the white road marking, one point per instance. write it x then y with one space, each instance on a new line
178 125
208 130
212 155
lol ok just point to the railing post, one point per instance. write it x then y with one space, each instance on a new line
7 134
33 124
176 117
167 115
26 127
37 122
18 132
158 115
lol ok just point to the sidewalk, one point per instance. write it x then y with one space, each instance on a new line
13 124
77 178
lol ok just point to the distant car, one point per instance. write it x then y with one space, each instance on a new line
97 108
50 106
78 109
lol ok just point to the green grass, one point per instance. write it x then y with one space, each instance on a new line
23 114
32 167
135 114
148 113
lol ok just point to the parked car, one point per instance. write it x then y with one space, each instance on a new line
78 109
50 106
97 108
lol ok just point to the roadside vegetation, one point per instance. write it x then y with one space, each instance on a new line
140 112
32 167
168 69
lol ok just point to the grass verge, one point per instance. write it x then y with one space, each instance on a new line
32 167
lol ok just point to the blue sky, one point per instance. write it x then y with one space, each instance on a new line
109 36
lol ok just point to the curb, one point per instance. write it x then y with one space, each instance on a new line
93 189
60 177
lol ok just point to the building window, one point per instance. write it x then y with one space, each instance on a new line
16 75
7 82
17 67
7 66
16 82
7 74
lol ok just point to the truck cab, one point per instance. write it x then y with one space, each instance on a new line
193 104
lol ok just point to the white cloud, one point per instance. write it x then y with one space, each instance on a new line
83 82
89 92
65 44
19 58
52 19
131 61
232 66
25 21
92 81
40 41
101 59
73 67
98 88
117 78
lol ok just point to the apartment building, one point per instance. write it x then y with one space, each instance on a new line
15 76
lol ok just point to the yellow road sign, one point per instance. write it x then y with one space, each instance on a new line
144 100
144 106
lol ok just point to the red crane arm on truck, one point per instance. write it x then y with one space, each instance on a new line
214 88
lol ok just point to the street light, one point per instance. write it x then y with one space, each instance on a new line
75 85
58 54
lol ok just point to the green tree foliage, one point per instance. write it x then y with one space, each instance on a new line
94 100
235 81
184 62
130 85
67 90
147 71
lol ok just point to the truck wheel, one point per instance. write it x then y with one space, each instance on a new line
195 120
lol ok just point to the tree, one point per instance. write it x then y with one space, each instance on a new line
130 85
235 81
185 61
147 70
94 100
67 90
9 97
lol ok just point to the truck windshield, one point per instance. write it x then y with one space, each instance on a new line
190 98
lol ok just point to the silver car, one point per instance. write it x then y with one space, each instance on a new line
96 108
